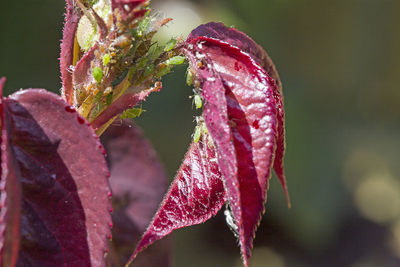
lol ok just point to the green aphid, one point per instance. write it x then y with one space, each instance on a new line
189 78
106 59
109 98
98 97
177 60
97 74
198 103
170 45
197 134
131 113
142 63
205 129
143 25
149 70
163 71
131 72
154 53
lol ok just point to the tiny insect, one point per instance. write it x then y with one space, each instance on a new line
198 103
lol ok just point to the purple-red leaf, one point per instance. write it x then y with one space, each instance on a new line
67 49
10 197
248 110
234 37
63 174
246 44
196 194
124 102
138 182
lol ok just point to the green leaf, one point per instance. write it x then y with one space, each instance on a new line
155 52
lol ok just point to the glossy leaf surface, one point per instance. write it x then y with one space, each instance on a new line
247 45
196 194
251 117
65 218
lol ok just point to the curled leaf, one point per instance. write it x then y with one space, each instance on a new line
234 37
196 194
123 103
65 218
239 39
240 113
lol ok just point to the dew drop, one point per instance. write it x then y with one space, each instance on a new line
70 109
256 124
237 68
81 120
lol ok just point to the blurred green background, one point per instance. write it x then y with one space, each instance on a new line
339 62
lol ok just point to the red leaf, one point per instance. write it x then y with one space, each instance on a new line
67 46
196 194
82 72
252 118
10 198
123 103
65 206
237 38
138 182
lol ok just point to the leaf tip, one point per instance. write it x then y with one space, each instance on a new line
2 83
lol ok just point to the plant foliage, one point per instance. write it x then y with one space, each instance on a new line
56 194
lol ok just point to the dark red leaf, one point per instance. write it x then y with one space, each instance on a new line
10 198
67 46
252 118
234 37
63 174
138 182
246 44
196 194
